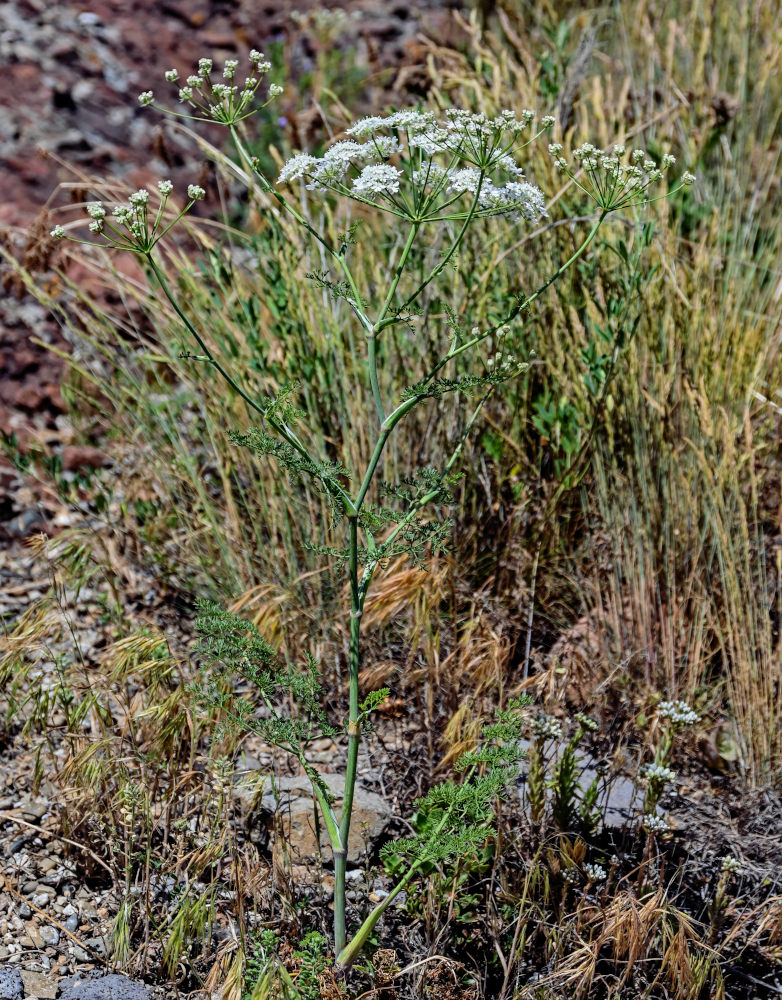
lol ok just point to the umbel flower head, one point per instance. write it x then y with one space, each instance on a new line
133 226
616 178
221 100
418 166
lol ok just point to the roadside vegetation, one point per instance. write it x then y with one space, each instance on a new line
599 586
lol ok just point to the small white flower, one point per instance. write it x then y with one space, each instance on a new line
667 161
231 65
730 865
259 61
146 98
367 126
95 210
547 121
193 81
96 226
139 198
58 233
172 75
185 94
383 145
195 192
654 824
377 179
688 178
275 90
679 713
428 142
204 67
595 873
656 774
165 188
463 180
297 167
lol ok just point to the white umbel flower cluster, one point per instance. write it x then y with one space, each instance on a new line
436 161
377 179
678 713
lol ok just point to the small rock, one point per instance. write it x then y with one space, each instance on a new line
50 935
72 922
99 946
11 986
39 986
34 933
31 811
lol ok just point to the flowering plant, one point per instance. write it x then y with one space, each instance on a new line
423 170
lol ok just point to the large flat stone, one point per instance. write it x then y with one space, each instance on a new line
291 799
111 987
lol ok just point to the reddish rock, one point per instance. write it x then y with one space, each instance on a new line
82 457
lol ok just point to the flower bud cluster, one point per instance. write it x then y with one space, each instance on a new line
131 226
546 727
656 774
730 865
653 823
595 873
586 722
678 713
219 101
614 178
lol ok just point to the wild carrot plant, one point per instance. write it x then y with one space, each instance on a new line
430 175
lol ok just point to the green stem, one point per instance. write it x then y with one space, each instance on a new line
373 380
386 430
354 739
347 955
455 351
398 272
381 324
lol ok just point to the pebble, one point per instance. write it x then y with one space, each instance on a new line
71 923
32 811
50 935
